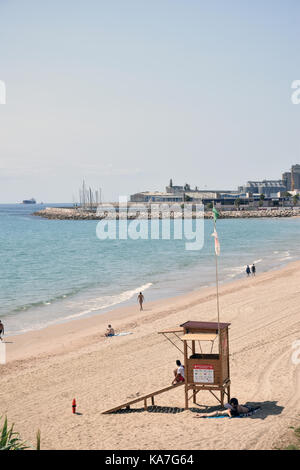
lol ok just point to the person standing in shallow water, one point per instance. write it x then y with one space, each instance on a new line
248 270
141 300
253 269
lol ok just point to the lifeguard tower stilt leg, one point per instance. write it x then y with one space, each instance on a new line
186 390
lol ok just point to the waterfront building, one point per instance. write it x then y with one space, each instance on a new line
287 180
147 196
291 179
248 194
295 177
270 188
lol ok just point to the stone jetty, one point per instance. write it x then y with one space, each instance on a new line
58 213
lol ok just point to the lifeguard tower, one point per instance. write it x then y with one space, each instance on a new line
206 358
204 346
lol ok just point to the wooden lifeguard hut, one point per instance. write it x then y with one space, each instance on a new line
206 358
204 346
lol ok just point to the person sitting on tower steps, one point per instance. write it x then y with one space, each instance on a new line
178 373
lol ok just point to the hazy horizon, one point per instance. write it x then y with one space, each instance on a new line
130 94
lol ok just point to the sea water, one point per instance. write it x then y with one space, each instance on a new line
52 271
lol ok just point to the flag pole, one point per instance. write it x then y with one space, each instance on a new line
217 282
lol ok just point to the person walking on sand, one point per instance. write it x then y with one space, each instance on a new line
248 270
141 300
178 373
253 269
1 329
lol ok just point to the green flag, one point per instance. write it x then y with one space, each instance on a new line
215 214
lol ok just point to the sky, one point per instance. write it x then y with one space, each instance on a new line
130 93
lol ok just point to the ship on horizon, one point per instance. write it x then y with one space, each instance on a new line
29 201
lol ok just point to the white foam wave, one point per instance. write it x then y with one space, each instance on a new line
286 255
236 269
103 302
285 258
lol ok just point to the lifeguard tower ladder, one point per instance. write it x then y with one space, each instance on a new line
206 358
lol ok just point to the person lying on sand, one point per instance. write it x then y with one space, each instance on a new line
1 330
233 408
110 331
178 373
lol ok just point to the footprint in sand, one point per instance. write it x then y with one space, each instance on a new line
134 395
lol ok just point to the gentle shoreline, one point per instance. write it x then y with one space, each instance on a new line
34 342
125 308
46 369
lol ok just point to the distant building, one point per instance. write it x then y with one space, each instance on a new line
179 189
198 196
295 177
156 196
291 179
196 193
270 188
249 194
181 194
287 180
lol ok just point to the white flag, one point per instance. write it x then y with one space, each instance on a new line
217 243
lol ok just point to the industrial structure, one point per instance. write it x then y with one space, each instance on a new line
253 194
270 188
291 179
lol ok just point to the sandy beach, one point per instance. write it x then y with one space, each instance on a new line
46 369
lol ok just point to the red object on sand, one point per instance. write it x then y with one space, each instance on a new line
74 406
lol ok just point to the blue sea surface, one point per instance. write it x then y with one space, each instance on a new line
55 270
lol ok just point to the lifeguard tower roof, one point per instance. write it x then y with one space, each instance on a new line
202 325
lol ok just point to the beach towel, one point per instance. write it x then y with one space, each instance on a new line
123 334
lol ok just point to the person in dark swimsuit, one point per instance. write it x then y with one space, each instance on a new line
1 330
141 300
233 409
